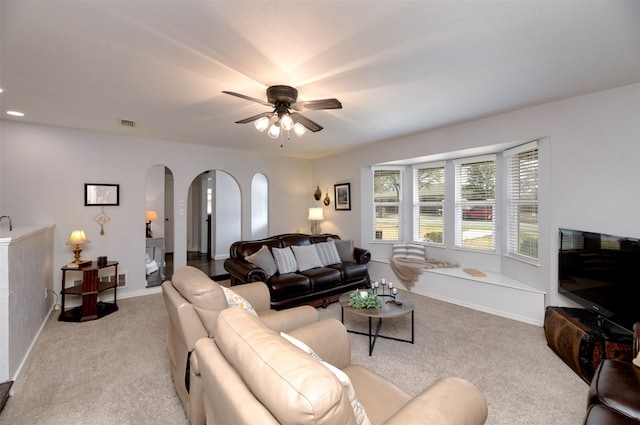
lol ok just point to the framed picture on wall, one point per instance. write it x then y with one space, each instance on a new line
101 194
342 196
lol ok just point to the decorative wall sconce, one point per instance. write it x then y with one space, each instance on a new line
150 216
315 215
78 238
326 201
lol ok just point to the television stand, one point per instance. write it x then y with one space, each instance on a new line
574 335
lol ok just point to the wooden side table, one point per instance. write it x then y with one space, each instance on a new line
89 290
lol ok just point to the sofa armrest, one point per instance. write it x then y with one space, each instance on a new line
329 339
257 294
244 271
290 318
449 401
362 256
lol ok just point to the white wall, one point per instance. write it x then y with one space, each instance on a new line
43 170
591 173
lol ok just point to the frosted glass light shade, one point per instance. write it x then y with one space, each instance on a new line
286 122
299 129
262 124
274 131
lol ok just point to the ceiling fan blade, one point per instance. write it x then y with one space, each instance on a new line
255 117
316 104
311 125
242 96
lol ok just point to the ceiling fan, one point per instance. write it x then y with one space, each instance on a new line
283 99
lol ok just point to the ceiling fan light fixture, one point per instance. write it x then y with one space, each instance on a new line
274 131
262 124
299 129
286 122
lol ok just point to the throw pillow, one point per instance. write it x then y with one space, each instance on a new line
285 260
306 256
345 250
416 252
263 259
301 345
328 253
236 300
399 250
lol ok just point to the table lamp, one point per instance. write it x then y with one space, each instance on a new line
151 216
77 238
315 214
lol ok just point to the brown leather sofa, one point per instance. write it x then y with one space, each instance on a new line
614 393
252 375
193 302
318 286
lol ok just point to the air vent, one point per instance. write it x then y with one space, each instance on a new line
127 123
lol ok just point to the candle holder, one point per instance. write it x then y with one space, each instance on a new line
393 292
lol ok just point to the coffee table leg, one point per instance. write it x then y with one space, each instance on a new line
375 337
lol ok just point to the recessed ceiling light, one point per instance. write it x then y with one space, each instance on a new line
15 113
1 89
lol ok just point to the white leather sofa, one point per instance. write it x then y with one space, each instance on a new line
193 302
252 375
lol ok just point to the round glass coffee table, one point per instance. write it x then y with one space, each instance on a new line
404 305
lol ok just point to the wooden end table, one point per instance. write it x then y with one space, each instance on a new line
89 289
387 311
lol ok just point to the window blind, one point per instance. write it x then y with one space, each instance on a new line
522 200
428 203
475 196
387 203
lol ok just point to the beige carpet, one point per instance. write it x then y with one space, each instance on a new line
115 370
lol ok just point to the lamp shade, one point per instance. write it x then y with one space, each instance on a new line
152 216
77 238
316 214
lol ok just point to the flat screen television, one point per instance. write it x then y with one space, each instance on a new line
601 273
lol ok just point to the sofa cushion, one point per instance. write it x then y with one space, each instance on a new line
328 253
284 286
285 260
306 257
323 278
351 271
204 294
294 387
264 259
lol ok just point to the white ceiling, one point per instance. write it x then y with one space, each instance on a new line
398 67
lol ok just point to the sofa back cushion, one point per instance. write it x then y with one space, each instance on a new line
296 388
204 294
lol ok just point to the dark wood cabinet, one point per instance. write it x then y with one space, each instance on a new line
573 334
91 286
